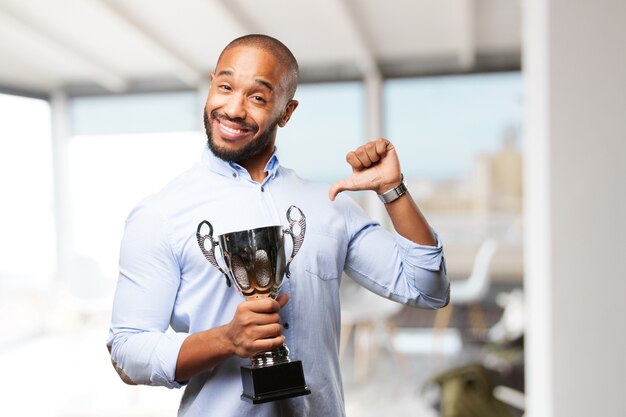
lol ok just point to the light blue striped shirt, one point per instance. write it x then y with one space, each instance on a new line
167 289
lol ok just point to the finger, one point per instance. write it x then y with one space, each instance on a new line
264 345
268 331
262 305
263 319
354 162
282 299
338 187
246 318
363 156
372 152
333 191
382 146
254 346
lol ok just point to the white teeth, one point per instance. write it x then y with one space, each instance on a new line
230 130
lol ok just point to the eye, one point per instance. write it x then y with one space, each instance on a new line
224 87
258 99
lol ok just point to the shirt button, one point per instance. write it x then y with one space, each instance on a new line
234 175
262 189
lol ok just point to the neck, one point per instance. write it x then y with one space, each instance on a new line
256 165
257 174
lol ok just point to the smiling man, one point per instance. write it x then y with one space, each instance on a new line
251 94
165 282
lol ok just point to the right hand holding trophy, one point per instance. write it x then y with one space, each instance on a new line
255 262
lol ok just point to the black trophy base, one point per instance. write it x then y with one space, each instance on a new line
274 382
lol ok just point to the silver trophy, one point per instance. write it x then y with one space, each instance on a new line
255 262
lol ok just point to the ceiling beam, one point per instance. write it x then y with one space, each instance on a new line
22 69
29 93
99 72
467 34
184 70
372 76
366 61
239 16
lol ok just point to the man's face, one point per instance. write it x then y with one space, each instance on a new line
247 102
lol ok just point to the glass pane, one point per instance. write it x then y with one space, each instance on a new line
135 113
328 123
27 248
110 174
440 124
459 141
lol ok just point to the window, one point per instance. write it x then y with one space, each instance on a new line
123 149
440 124
27 246
110 174
328 123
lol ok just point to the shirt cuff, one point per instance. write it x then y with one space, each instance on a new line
147 358
167 355
422 256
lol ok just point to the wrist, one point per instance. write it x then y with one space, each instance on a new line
224 339
392 193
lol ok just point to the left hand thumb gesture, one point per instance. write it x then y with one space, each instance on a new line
375 166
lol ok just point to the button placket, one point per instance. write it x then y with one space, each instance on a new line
270 205
286 315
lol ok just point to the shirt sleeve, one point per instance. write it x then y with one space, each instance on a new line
142 350
393 266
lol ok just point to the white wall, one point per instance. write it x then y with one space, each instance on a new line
575 174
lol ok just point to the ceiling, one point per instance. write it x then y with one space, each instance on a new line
116 46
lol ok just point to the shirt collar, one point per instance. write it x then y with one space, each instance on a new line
225 168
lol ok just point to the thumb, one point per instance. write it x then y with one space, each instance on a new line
338 187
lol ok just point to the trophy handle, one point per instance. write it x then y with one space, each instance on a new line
297 239
210 254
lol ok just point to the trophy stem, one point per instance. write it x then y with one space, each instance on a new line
274 357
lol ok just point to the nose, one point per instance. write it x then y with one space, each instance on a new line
234 107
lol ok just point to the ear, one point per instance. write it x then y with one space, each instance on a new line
211 77
289 109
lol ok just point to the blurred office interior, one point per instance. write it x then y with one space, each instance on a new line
508 119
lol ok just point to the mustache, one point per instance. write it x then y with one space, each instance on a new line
239 121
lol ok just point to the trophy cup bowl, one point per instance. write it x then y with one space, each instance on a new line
255 263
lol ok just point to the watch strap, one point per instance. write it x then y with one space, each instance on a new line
393 194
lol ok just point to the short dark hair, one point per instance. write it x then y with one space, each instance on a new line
275 47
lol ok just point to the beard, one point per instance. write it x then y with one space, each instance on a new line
250 150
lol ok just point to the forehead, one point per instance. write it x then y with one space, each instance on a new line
250 62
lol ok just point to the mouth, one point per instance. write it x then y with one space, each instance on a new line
232 131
